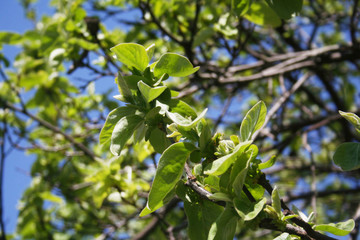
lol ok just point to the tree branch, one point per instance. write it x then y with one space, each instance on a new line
53 128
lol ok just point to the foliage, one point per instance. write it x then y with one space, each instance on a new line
246 99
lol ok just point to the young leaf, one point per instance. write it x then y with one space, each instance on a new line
123 88
220 196
285 8
175 65
150 51
240 7
253 121
170 168
150 93
113 117
268 163
132 55
240 179
123 130
352 118
181 107
248 210
276 203
205 136
219 166
242 161
283 236
347 156
225 226
187 124
339 229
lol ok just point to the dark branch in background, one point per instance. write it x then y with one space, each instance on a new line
311 233
51 127
281 101
320 194
154 223
354 20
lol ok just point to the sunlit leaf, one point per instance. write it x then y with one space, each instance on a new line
111 120
132 55
170 168
253 121
339 229
175 65
219 166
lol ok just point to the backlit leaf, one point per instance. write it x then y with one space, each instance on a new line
253 121
150 93
339 229
219 166
175 65
132 55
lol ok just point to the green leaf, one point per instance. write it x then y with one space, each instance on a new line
240 7
276 203
219 166
201 214
225 226
150 51
248 210
220 196
339 229
202 36
113 117
285 8
170 168
268 163
150 93
158 140
260 13
123 88
352 118
240 179
186 123
48 196
283 236
132 55
253 121
175 65
242 161
181 107
347 156
205 136
10 38
123 130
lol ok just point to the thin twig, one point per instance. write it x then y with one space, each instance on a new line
281 101
53 128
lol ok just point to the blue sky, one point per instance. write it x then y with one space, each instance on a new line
17 165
